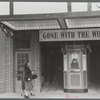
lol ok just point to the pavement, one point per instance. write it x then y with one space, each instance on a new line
54 95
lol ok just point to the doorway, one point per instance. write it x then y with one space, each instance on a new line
52 64
21 58
22 45
95 67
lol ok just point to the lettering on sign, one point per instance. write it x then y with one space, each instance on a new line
69 35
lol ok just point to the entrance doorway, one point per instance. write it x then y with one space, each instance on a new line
53 66
21 58
95 67
52 63
22 46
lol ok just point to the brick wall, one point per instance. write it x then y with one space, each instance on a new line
2 62
36 60
6 63
9 65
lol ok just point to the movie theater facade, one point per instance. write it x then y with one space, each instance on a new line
61 42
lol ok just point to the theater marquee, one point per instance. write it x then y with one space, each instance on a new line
69 35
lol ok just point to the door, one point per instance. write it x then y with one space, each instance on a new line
21 58
53 64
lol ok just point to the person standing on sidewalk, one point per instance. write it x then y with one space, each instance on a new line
27 80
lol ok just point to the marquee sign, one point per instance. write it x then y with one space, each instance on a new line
69 35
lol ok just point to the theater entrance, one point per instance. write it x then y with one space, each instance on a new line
52 66
57 58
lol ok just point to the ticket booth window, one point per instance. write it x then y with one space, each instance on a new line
74 64
74 61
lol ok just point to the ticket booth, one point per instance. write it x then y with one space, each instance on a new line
75 68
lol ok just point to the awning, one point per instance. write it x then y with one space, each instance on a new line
32 25
83 23
76 23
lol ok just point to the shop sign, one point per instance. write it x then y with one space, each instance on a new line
69 35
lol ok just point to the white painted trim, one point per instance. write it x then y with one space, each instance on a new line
8 24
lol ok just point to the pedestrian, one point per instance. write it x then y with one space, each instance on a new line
27 73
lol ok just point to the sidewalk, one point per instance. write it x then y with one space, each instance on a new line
54 95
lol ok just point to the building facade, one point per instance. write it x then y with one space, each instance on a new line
61 47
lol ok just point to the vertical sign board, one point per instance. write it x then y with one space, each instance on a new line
84 61
65 62
69 35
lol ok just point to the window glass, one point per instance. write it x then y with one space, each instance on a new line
96 6
4 8
39 7
79 6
